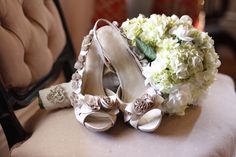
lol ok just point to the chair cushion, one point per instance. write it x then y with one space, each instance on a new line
205 131
31 37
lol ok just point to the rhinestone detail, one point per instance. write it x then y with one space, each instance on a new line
57 95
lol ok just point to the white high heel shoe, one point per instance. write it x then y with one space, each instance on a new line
92 107
139 103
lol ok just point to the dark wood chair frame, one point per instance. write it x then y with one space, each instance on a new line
13 99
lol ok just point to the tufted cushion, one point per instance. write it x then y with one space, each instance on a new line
31 39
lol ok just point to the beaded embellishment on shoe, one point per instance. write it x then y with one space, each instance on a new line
96 112
94 103
137 111
80 66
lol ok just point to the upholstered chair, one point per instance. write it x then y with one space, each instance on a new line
35 50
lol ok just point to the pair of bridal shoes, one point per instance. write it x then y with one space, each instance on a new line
106 51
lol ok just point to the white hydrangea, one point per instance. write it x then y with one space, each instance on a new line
186 62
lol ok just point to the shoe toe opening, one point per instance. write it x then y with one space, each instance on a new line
150 121
98 122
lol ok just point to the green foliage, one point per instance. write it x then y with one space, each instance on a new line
146 49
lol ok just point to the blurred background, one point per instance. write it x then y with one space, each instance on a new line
218 17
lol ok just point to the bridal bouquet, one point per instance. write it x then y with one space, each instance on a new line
181 60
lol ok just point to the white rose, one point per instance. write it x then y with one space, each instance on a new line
174 18
179 98
181 32
186 19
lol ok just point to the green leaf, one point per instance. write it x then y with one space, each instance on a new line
146 49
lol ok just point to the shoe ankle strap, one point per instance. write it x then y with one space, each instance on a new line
101 51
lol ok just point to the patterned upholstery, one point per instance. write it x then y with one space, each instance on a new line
31 39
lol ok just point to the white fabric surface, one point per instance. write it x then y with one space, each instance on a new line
205 131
